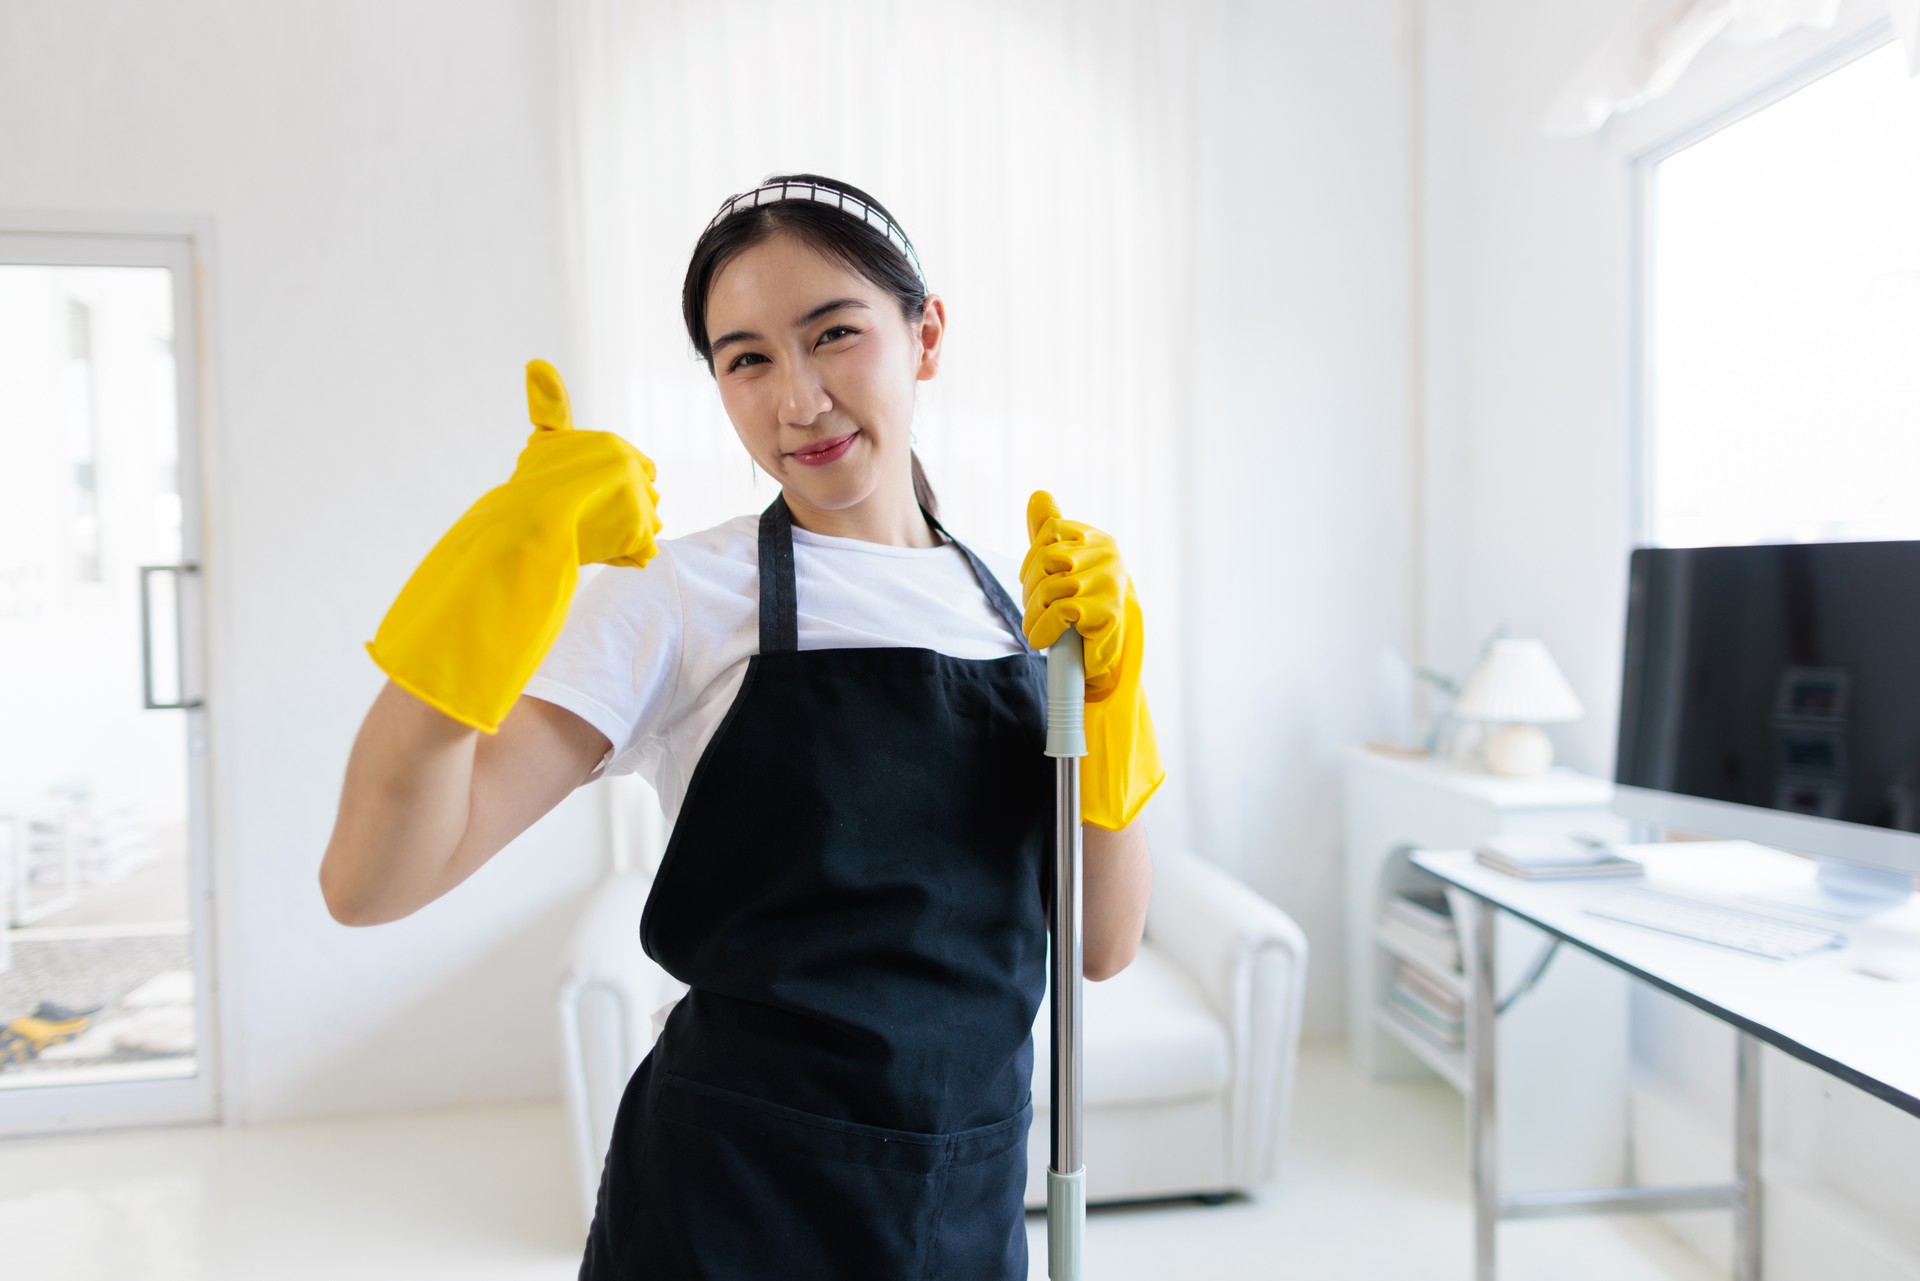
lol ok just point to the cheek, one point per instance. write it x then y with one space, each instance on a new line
746 414
875 374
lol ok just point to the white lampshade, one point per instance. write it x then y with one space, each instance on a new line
1518 682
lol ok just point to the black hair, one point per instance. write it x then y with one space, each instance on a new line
863 247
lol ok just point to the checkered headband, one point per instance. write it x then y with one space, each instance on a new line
851 205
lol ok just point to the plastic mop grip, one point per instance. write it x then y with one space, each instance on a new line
1067 743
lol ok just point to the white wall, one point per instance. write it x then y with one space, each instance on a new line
1530 470
1299 492
380 178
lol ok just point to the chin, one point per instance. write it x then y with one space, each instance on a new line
832 492
830 496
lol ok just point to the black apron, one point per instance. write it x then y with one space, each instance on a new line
856 895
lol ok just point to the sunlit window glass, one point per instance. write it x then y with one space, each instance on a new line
1783 342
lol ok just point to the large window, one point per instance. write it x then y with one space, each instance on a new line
1782 348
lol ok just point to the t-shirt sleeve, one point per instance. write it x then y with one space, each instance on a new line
616 659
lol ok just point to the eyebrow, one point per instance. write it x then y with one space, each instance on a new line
747 335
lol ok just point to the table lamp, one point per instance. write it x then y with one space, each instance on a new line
1518 685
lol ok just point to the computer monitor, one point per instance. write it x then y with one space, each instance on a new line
1772 693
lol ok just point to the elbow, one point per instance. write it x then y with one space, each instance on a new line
1100 969
338 906
343 906
356 907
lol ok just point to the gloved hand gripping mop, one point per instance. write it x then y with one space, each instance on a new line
1073 577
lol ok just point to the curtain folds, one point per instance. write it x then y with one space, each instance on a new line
1041 154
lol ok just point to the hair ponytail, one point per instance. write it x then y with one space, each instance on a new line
921 489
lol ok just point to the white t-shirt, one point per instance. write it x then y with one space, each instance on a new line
653 657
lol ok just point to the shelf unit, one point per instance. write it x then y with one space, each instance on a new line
1563 1047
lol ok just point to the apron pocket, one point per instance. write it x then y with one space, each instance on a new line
765 1123
736 1186
981 1234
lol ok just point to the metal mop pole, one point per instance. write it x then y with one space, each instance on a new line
1067 743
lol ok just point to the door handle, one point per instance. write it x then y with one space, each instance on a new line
146 637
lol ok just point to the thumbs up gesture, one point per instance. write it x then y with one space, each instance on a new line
595 479
479 613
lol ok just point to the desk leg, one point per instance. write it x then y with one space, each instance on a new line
1482 1050
1746 1159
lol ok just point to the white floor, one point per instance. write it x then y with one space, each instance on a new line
1374 1186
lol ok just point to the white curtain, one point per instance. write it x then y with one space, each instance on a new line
1042 156
1648 54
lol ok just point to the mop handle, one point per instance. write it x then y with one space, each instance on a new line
1067 697
1067 743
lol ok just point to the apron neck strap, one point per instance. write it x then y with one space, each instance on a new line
779 604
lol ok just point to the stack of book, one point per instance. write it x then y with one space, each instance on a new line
1435 1012
1555 857
1419 922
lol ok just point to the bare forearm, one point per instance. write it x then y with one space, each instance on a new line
403 808
1117 882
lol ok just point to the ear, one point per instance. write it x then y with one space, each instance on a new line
930 333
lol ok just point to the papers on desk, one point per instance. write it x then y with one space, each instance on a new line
1564 857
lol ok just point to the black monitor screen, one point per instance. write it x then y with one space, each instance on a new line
1780 676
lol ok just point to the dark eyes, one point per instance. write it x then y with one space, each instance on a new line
837 329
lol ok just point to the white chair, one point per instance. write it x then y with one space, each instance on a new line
1189 1053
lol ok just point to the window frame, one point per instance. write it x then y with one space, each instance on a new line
185 245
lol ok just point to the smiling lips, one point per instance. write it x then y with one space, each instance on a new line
817 455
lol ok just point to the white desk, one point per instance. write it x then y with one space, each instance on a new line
1817 1008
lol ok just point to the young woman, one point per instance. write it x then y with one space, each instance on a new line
842 709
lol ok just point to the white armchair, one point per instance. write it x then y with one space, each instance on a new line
1189 1053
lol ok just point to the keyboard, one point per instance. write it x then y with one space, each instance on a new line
1768 936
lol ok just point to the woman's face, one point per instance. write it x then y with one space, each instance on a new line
822 398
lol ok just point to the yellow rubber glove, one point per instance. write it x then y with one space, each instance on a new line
1073 576
479 613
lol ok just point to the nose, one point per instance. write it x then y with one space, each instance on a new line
802 398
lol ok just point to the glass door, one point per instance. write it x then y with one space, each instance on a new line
105 973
